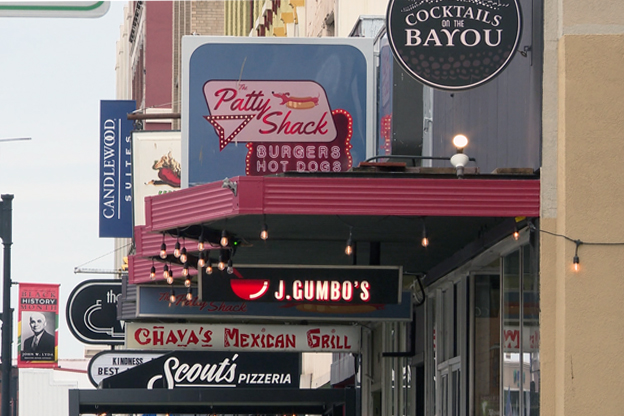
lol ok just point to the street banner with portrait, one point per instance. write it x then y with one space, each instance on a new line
37 326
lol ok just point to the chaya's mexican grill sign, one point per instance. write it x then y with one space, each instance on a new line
454 44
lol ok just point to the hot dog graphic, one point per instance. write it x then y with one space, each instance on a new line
297 103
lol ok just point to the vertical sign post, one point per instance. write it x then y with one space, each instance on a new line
7 333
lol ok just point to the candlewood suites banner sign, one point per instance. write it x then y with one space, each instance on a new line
37 327
153 301
240 337
259 106
115 206
454 44
330 285
183 369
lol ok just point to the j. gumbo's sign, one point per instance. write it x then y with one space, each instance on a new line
454 44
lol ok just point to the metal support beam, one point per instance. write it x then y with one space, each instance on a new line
7 316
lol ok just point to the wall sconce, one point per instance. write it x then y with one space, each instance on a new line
459 159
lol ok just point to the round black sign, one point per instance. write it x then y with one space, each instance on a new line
454 44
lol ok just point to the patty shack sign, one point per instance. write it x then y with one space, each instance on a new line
454 44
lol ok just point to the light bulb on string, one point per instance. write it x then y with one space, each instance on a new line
163 250
349 246
230 267
176 250
189 295
425 240
209 267
264 234
221 264
170 276
224 239
172 296
153 271
201 262
166 272
187 282
183 255
575 260
200 242
516 233
185 270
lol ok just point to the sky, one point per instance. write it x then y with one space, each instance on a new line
53 74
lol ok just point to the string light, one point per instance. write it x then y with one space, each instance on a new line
576 265
163 249
176 250
201 262
264 234
575 259
172 296
224 239
516 233
185 270
221 264
349 247
425 239
187 282
230 267
166 272
153 271
209 266
200 242
170 277
189 295
183 256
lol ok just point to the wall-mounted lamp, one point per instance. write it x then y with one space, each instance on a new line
459 159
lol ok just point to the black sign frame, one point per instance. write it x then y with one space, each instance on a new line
454 45
91 312
304 284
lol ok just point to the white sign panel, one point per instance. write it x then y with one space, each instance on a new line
109 363
156 167
234 337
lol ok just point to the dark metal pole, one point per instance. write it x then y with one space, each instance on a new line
7 319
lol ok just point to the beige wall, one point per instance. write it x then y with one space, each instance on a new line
582 317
